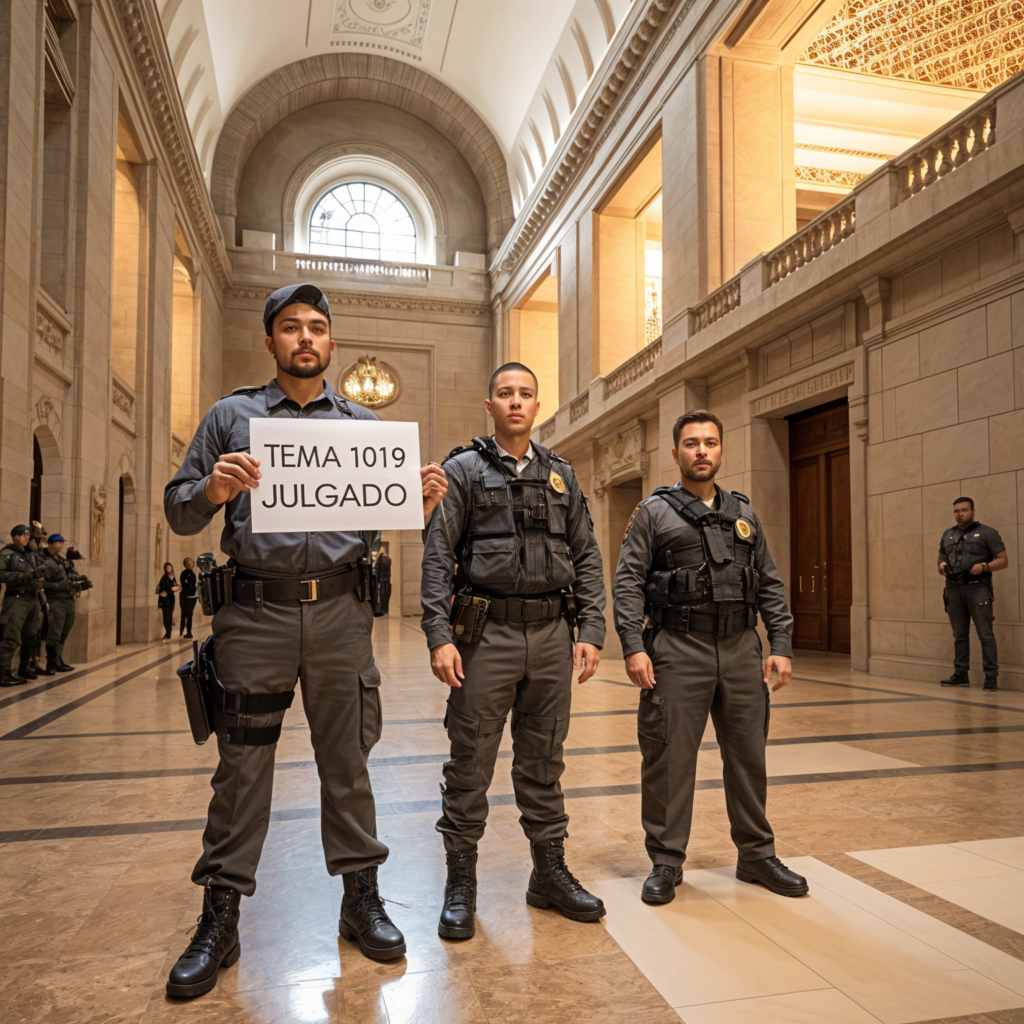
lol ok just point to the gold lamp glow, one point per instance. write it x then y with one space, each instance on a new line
369 383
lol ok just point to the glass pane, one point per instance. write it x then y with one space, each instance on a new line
362 221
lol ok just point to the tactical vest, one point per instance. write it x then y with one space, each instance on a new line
963 549
710 558
516 539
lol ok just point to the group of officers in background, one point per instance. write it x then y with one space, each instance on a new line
38 609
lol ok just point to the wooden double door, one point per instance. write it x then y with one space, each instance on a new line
822 577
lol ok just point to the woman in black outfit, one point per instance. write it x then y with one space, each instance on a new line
167 588
188 598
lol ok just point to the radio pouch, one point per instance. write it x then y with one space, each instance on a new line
380 586
467 618
198 705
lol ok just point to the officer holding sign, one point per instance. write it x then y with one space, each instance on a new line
515 523
295 612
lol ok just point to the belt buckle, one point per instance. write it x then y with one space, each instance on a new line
312 591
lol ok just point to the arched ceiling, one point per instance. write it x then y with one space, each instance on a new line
502 57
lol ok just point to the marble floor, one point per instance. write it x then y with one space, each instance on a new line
902 802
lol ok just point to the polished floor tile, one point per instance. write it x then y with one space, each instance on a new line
817 1007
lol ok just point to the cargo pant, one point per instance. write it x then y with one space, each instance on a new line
59 623
967 602
697 673
265 649
19 617
522 669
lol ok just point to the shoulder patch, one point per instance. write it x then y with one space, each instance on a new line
629 524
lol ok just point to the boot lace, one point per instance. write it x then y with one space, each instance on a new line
460 890
208 932
559 870
369 906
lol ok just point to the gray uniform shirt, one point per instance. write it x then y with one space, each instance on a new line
977 544
448 525
650 526
225 428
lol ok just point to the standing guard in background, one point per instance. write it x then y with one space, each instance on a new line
19 615
61 599
968 555
514 545
37 552
695 562
292 605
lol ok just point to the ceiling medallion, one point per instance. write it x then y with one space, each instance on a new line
370 384
403 20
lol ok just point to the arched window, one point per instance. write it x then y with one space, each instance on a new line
362 221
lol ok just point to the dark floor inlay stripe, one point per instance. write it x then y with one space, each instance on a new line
65 709
387 809
943 700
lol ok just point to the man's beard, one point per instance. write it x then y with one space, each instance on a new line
304 370
692 473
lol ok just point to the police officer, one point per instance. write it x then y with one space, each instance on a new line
968 555
296 611
61 599
516 525
695 561
19 615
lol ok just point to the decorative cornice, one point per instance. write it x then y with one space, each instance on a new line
585 143
372 300
829 176
153 64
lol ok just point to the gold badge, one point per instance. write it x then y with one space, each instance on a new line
557 482
977 535
743 529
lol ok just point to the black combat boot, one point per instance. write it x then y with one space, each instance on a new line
773 875
991 684
63 666
956 680
364 918
214 945
661 883
8 678
51 662
23 669
553 884
459 897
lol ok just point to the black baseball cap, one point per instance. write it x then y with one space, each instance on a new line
308 293
20 528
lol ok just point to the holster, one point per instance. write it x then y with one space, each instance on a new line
569 610
215 588
375 585
212 708
467 618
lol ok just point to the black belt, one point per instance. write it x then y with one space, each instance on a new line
525 609
684 620
19 593
304 590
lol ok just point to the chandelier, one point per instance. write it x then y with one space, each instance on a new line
370 383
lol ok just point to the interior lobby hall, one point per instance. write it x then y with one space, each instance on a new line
804 218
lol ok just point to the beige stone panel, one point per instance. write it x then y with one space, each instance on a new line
1006 435
1018 378
937 511
902 572
901 514
987 387
921 286
995 250
998 319
889 432
995 497
963 339
876 432
874 358
955 452
894 465
926 404
901 362
888 637
930 639
1017 319
960 267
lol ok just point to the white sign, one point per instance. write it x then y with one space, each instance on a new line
322 475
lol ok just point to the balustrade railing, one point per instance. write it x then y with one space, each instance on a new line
715 306
580 407
938 156
825 232
365 268
547 429
632 369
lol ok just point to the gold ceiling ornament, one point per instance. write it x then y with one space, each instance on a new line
970 44
370 383
828 176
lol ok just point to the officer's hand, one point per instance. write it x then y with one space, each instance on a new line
782 667
977 570
30 575
446 664
587 657
234 473
435 487
640 670
942 568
